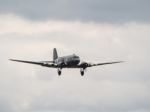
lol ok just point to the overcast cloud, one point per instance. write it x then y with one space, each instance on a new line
83 10
30 29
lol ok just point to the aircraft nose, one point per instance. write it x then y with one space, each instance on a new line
78 60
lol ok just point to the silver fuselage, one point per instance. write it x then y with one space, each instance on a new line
68 61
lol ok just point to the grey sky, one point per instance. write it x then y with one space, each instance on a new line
82 10
30 29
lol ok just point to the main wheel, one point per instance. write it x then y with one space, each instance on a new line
82 73
59 71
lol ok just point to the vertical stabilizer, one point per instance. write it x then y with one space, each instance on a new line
55 55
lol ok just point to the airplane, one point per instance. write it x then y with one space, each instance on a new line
70 61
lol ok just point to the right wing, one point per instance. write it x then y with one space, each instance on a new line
42 63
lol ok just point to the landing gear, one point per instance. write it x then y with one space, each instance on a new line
59 71
82 71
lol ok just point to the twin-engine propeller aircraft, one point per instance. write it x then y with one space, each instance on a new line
71 61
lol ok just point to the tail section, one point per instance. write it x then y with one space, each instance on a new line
55 55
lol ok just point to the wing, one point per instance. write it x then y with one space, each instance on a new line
85 64
42 63
99 64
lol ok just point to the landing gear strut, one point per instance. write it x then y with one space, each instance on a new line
59 71
82 71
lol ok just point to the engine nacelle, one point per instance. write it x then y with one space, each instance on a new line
84 65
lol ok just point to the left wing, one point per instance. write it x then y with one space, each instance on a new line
42 63
99 64
85 64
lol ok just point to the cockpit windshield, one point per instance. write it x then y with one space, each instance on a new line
75 56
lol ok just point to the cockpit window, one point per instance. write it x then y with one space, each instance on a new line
75 56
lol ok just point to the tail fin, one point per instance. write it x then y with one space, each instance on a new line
55 55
